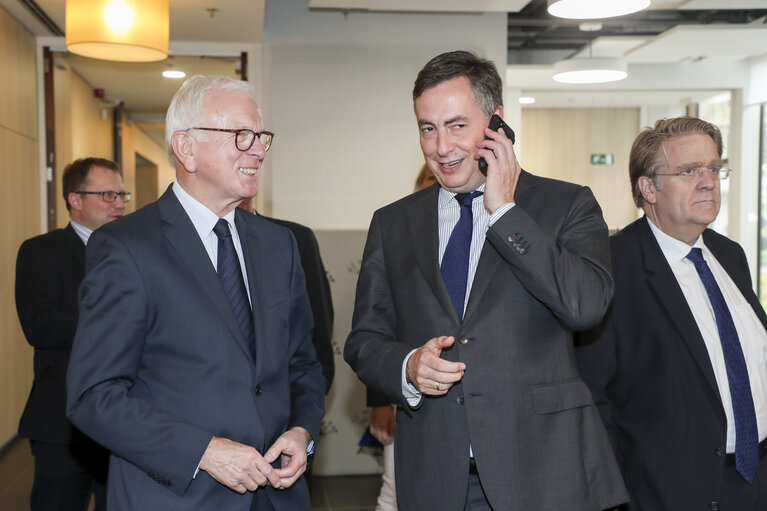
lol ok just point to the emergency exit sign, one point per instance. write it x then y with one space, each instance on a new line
602 158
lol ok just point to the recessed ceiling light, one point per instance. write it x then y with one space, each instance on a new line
173 73
526 100
591 70
593 9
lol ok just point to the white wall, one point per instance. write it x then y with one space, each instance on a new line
338 96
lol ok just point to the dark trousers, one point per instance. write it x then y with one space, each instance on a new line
738 495
476 500
66 475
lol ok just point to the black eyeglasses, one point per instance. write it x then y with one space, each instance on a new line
244 138
110 196
719 172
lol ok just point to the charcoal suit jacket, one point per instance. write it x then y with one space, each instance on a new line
537 437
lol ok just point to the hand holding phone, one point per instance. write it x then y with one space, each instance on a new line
495 123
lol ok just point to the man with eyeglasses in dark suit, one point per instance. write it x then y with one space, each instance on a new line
678 365
193 360
69 466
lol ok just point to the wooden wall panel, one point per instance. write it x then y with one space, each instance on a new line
20 197
18 105
558 143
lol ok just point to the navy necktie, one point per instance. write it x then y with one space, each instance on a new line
746 432
230 275
455 260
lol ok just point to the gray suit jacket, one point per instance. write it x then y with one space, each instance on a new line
537 438
159 364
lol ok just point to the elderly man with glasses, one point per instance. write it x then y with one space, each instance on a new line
678 365
68 465
193 361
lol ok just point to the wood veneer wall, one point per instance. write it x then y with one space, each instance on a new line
20 200
558 143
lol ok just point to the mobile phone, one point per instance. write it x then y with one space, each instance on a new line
495 123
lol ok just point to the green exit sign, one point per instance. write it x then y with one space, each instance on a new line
602 158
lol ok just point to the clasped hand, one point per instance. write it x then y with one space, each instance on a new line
242 468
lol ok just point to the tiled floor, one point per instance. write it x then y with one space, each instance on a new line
329 493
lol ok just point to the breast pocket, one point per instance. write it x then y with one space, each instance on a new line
278 297
559 396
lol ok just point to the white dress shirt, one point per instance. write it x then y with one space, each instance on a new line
204 220
751 332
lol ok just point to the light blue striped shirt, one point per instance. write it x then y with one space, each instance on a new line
82 232
204 220
448 214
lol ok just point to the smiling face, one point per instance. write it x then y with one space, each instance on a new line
684 206
215 172
450 124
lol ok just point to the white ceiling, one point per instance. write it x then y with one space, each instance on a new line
242 21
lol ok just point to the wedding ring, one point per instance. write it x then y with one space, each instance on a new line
437 385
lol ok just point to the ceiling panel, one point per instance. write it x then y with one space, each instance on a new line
611 46
692 42
422 5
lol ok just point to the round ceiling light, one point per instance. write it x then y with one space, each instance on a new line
591 70
593 9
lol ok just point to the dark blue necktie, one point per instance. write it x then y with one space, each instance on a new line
230 275
455 260
746 432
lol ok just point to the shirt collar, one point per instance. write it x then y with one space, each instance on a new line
445 196
82 232
202 218
673 249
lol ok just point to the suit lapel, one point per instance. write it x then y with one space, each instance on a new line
730 266
423 224
181 234
490 260
75 245
667 290
254 267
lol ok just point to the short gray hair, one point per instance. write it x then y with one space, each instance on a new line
186 107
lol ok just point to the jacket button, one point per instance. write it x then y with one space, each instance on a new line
464 340
721 451
259 390
459 400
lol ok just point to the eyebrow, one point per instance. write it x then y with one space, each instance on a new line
695 164
452 120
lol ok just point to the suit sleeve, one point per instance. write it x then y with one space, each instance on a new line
372 349
307 384
318 288
103 368
40 295
568 268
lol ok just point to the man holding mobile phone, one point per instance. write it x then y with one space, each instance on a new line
467 298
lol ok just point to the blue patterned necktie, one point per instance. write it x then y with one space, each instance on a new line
230 275
455 260
746 431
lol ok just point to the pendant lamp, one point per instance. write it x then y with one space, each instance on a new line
120 30
593 9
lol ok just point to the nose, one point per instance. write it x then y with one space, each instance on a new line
257 149
119 202
707 179
444 144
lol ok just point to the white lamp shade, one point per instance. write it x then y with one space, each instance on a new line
593 9
593 70
121 30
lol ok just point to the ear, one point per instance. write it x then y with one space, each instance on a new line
75 201
183 145
499 111
647 189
